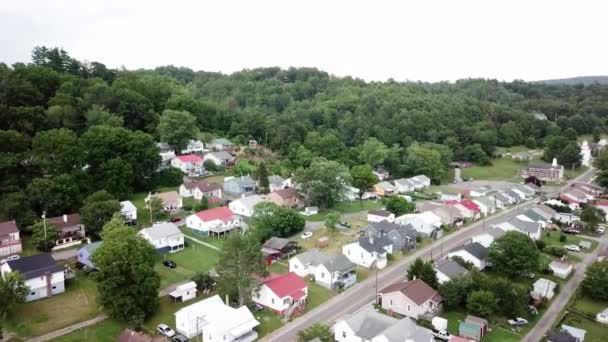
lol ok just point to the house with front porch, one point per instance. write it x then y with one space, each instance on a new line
385 189
43 276
194 147
170 201
330 271
284 294
369 251
215 221
165 237
221 158
414 299
10 241
190 164
473 252
426 223
166 152
238 186
402 236
197 189
70 231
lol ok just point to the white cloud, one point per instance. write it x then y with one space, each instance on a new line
374 40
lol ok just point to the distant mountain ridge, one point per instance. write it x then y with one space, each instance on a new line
577 80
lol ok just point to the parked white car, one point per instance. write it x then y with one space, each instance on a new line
9 258
572 248
518 321
306 235
165 330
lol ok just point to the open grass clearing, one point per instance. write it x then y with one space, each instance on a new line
553 239
506 169
337 239
194 258
215 241
76 304
269 322
347 207
107 330
589 307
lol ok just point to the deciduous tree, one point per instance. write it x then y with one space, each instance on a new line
399 206
12 291
324 182
482 303
514 254
363 178
318 330
97 210
595 284
177 127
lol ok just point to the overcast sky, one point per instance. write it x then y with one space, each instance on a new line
374 40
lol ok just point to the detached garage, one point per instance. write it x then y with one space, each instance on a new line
184 292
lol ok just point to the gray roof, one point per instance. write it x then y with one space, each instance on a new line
276 180
525 189
333 263
451 268
376 244
163 146
388 227
543 166
34 266
513 194
475 249
251 201
277 243
221 141
368 324
386 185
162 230
242 181
222 155
501 197
525 226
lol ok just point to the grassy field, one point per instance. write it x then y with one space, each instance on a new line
194 258
269 322
336 240
143 214
499 329
589 306
348 207
42 316
107 330
596 332
279 267
217 242
501 169
552 239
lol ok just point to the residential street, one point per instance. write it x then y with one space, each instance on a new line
562 299
364 293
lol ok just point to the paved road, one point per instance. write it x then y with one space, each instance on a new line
365 292
566 292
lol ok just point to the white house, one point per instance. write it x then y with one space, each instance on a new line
216 321
166 152
184 292
380 215
423 181
244 206
190 164
485 204
531 229
404 185
502 200
128 211
213 221
198 190
560 268
171 200
486 238
450 196
165 237
221 158
10 240
413 299
220 144
352 194
369 325
481 191
424 223
586 154
43 276
473 252
194 147
369 251
281 293
447 270
543 288
328 270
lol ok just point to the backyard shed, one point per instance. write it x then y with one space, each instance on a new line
473 327
184 292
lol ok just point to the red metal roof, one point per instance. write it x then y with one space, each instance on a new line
470 205
286 285
602 203
568 199
190 158
220 213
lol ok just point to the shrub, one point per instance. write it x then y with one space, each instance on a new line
562 238
556 251
540 244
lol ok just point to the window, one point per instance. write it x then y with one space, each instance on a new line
408 308
272 300
295 266
32 293
391 302
344 334
54 287
322 274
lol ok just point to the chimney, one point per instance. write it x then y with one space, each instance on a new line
554 164
65 218
49 286
227 302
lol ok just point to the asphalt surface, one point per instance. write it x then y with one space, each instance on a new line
364 293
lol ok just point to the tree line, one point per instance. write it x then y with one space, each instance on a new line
70 128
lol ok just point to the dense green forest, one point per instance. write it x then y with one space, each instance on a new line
69 128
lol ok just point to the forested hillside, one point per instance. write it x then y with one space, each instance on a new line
578 80
69 128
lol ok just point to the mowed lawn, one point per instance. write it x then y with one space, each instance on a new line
596 332
347 207
194 258
553 239
501 169
337 239
107 330
77 304
498 333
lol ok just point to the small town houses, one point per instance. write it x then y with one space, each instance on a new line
284 294
190 164
70 231
447 270
43 276
330 271
473 252
10 242
129 212
216 321
198 189
414 299
171 201
369 251
165 237
216 221
244 206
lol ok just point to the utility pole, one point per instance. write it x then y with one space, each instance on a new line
44 225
